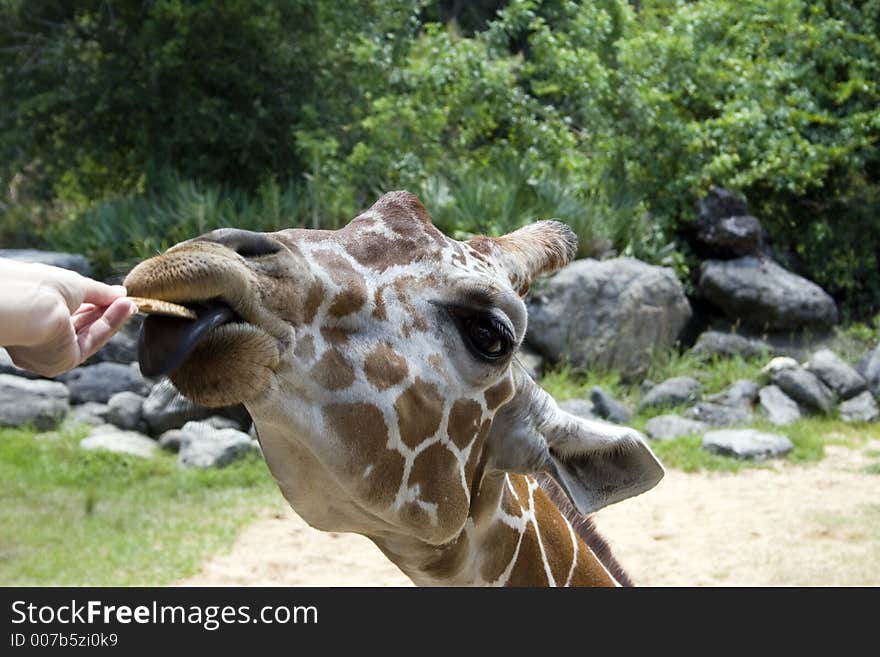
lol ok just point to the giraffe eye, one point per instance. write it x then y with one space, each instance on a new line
486 336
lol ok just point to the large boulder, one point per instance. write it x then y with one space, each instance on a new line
203 446
672 392
741 393
779 408
764 296
99 382
719 415
869 368
608 314
124 410
861 408
39 403
837 374
805 388
747 443
724 227
718 343
667 427
165 409
72 261
113 439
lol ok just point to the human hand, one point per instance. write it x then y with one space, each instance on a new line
53 319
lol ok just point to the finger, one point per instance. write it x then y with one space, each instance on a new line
85 315
95 335
99 293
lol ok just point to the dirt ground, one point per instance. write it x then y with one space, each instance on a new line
786 525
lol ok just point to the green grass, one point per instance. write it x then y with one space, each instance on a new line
76 517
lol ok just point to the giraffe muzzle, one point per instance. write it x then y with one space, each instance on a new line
166 342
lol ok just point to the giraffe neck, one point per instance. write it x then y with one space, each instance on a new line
515 536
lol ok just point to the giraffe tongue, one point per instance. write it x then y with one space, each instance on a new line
165 342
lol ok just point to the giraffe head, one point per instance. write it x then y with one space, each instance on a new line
378 363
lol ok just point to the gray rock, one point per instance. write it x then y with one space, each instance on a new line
717 343
172 439
861 408
667 427
609 314
8 367
764 296
206 447
724 227
608 408
97 383
779 408
113 439
222 422
89 413
531 360
718 415
72 261
580 407
165 408
124 411
672 392
869 368
646 386
121 348
747 443
39 403
742 393
837 374
805 388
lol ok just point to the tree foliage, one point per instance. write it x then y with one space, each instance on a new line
615 115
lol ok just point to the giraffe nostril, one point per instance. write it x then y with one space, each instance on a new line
246 243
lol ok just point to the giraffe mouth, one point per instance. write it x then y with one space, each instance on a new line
165 343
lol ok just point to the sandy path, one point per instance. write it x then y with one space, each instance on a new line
806 525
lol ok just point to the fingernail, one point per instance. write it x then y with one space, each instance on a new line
121 289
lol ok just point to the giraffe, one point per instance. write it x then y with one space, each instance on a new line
378 364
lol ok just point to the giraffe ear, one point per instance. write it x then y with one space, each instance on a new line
543 247
595 463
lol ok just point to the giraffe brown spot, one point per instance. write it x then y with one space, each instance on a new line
333 371
511 505
589 571
520 485
529 567
312 302
305 348
499 393
503 540
464 422
452 558
384 367
555 536
419 411
437 473
362 428
384 478
336 335
353 295
379 310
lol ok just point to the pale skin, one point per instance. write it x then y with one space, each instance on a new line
53 319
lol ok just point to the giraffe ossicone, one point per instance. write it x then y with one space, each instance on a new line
378 362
